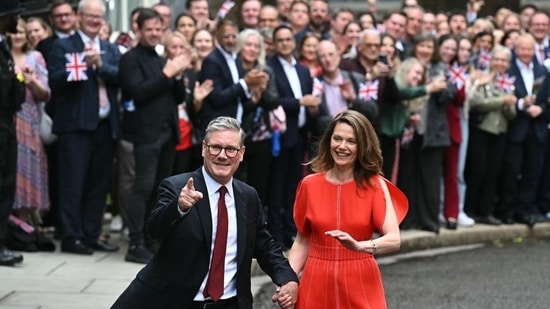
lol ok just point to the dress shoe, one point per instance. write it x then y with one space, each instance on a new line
526 219
76 246
451 224
138 254
490 219
8 257
102 245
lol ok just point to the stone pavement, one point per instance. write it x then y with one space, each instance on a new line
58 280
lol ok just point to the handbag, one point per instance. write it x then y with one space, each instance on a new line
46 123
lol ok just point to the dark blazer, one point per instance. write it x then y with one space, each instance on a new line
290 104
154 96
518 128
45 46
174 275
75 104
224 98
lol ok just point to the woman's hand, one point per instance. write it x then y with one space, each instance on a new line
345 239
201 91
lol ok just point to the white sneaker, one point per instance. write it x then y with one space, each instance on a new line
116 224
465 221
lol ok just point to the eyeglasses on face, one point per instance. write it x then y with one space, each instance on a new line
215 150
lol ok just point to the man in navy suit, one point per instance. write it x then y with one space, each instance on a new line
294 84
525 137
86 121
192 211
231 86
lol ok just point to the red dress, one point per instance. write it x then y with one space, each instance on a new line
333 276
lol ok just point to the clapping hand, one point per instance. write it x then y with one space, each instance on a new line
189 196
347 91
28 73
93 56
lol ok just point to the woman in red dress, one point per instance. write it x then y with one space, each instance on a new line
337 211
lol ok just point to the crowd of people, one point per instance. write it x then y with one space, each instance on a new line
458 103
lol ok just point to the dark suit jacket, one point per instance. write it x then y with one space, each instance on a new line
155 97
224 98
290 104
518 128
75 104
45 46
174 275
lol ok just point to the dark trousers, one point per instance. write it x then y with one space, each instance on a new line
188 160
153 162
420 179
388 147
52 216
8 171
520 159
450 180
542 199
85 176
125 176
286 172
255 168
483 166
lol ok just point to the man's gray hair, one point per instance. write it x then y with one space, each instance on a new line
83 3
224 123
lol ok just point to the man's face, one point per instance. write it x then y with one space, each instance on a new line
166 14
319 13
396 25
428 22
340 21
227 37
414 21
539 26
457 23
151 32
250 11
91 19
284 43
284 6
525 49
298 16
370 48
63 18
220 166
525 16
328 56
199 10
268 18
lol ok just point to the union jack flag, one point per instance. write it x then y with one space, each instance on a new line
368 90
124 39
318 87
76 67
225 8
457 75
505 83
484 59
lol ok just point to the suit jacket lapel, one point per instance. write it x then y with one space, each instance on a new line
281 74
225 66
203 207
242 214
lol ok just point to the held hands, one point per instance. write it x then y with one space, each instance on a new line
28 74
189 196
286 295
509 100
530 108
255 79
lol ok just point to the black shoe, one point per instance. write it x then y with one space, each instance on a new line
489 220
451 224
76 246
138 254
102 245
527 219
8 257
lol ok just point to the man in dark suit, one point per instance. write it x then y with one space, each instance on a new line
525 137
231 86
151 93
12 95
294 85
198 214
86 120
63 19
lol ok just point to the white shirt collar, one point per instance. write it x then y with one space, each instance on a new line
523 66
87 39
284 62
227 55
213 186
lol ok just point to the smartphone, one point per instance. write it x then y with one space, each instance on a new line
383 59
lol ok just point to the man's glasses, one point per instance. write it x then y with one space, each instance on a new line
215 150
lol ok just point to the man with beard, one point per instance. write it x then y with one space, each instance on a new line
12 94
319 17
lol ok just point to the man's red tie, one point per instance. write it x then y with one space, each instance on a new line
214 284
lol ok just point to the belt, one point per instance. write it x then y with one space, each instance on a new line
222 303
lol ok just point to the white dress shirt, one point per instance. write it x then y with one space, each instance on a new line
528 76
290 71
230 275
231 60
